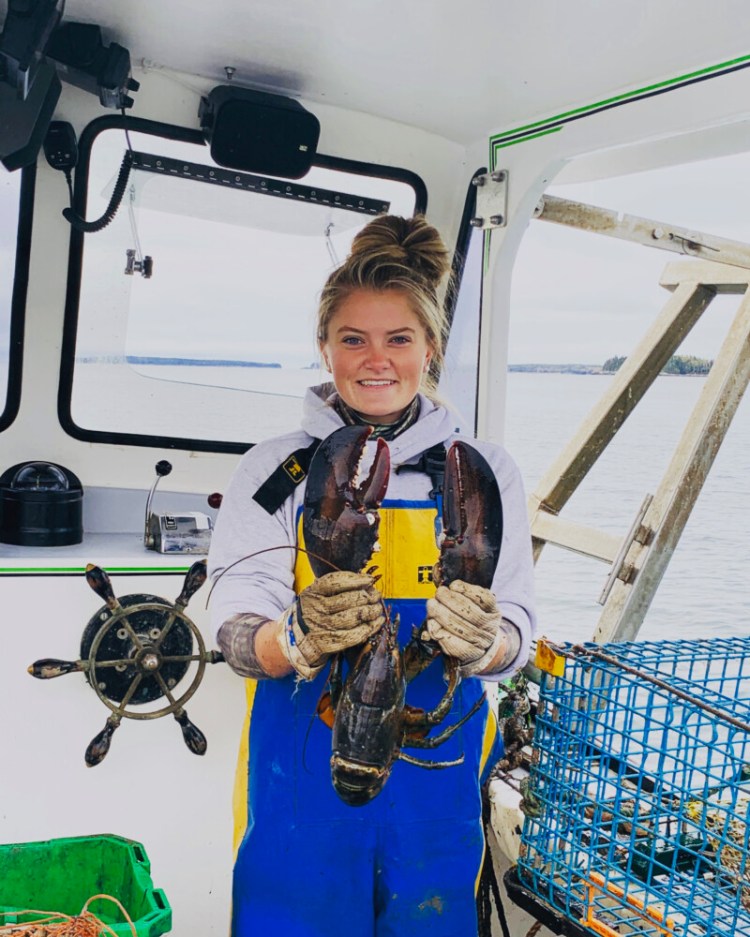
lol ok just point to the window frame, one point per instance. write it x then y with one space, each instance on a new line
75 268
18 296
465 232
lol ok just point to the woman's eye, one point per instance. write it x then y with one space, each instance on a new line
401 339
351 340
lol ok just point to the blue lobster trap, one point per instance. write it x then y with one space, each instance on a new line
638 799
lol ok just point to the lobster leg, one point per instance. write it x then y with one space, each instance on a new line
418 718
329 700
410 759
434 740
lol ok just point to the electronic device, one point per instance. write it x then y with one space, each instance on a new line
35 53
81 58
257 132
24 122
189 532
29 85
61 146
24 37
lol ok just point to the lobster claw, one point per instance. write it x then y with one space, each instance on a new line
472 519
472 537
340 519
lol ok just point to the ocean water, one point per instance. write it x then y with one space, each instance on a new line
706 589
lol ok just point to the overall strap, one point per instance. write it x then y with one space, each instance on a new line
432 463
282 481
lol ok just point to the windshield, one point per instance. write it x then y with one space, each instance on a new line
218 342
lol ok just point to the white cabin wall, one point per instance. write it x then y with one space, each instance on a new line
174 98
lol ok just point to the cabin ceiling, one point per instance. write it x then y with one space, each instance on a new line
458 69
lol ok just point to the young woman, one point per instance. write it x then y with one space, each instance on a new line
407 863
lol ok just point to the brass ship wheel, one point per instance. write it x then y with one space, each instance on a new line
136 650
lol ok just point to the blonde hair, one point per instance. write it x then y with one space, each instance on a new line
406 255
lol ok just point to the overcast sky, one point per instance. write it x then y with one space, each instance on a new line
579 297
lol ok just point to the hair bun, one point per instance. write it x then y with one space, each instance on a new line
410 242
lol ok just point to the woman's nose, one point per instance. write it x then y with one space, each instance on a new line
378 357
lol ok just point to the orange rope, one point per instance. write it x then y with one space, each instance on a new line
55 924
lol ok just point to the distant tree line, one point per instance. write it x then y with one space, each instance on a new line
677 364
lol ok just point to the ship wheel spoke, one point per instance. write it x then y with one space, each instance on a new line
166 629
164 688
137 643
130 692
125 662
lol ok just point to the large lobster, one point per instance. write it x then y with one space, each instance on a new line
367 710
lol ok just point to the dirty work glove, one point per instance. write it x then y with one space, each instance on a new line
339 610
467 624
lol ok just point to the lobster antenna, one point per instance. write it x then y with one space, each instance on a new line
285 546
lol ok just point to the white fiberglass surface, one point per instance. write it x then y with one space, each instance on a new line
10 186
218 344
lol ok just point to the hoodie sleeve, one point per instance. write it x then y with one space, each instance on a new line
513 584
251 559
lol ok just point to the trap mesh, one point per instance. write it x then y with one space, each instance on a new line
638 799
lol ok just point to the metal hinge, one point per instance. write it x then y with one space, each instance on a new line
492 200
627 572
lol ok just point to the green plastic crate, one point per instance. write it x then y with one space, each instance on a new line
62 874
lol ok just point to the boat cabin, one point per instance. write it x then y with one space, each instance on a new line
177 181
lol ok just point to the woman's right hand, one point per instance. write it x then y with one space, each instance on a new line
338 611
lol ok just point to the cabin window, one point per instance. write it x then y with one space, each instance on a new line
16 209
215 349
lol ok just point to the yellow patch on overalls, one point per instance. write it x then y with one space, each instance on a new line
406 557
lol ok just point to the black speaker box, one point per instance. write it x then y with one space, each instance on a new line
257 132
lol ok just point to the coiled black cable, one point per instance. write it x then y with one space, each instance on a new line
91 227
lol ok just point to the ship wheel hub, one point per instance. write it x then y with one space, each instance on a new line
148 659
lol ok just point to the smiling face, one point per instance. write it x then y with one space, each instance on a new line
377 351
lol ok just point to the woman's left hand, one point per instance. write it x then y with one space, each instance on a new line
467 624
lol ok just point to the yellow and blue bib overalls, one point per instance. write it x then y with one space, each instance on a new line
308 865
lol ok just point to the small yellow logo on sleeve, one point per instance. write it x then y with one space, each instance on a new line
294 470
